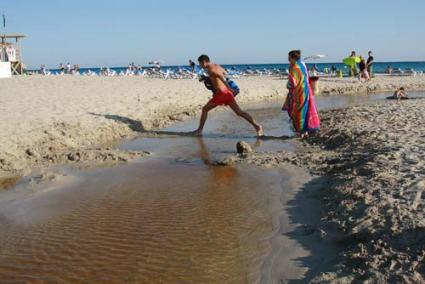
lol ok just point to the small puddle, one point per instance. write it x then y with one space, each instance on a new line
172 218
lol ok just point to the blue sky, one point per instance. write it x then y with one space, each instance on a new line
113 33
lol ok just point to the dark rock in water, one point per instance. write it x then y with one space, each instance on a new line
243 148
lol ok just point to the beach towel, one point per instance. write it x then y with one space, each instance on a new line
300 102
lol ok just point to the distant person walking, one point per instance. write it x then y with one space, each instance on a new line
68 68
369 63
192 66
353 69
363 70
62 68
333 70
300 102
223 94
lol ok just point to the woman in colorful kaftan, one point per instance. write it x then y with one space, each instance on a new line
300 102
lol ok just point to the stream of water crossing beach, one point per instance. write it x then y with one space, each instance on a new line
173 218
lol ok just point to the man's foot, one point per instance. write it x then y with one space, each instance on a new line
196 133
259 130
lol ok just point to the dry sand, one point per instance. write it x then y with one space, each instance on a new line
373 158
69 119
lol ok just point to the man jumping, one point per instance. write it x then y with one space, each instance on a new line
223 95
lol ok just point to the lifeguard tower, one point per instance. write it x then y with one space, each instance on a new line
10 51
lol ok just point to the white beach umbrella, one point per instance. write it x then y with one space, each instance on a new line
315 57
155 62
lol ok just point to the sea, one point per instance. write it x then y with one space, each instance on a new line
378 67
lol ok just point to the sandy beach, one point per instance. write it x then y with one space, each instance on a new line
372 159
366 162
76 119
185 142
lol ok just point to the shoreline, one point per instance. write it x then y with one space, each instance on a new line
74 119
373 160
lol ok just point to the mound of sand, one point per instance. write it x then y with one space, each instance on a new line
374 158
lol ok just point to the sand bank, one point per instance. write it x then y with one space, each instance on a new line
373 160
70 119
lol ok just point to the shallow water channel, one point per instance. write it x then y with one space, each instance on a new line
174 217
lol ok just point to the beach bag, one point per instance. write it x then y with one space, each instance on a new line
234 86
207 82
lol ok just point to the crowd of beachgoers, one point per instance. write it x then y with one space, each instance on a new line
157 71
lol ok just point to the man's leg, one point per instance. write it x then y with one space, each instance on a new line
209 106
235 107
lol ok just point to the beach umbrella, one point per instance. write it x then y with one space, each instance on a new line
155 62
351 61
315 57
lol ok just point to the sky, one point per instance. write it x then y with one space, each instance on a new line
115 32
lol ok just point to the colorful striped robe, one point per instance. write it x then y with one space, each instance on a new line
300 102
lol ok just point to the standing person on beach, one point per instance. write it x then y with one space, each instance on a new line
363 70
333 70
353 69
68 68
61 68
300 102
369 63
192 66
223 94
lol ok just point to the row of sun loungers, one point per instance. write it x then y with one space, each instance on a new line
185 73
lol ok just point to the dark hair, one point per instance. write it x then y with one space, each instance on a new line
295 54
203 58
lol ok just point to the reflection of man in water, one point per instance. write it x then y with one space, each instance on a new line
222 175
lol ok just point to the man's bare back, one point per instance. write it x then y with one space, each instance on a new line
217 74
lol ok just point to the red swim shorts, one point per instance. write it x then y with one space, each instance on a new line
223 98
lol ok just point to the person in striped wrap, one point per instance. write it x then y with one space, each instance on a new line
300 102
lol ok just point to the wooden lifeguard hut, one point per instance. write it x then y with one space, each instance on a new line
11 51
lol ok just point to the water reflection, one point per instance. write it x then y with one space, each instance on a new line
148 222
